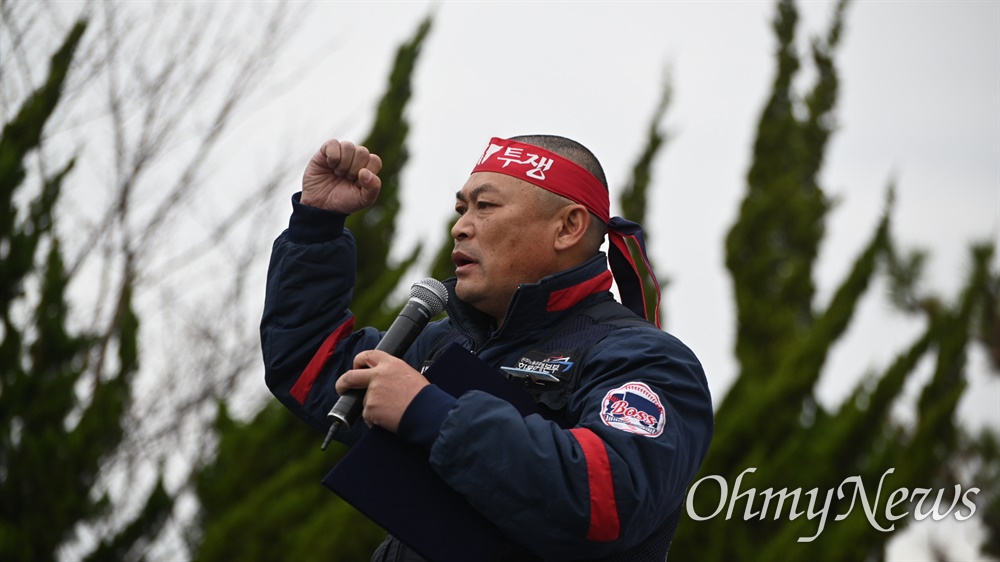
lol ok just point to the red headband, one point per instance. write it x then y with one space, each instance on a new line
564 177
548 171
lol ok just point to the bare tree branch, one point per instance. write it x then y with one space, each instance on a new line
156 88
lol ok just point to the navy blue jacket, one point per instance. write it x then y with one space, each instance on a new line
631 415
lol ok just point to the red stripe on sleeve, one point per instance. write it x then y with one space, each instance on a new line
604 525
308 377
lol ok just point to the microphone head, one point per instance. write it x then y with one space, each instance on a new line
431 293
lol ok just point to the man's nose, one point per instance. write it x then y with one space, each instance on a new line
462 228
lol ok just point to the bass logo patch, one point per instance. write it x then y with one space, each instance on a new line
635 408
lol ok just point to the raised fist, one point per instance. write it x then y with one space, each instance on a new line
341 177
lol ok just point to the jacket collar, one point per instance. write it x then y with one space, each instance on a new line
534 306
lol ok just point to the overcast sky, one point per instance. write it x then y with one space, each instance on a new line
918 105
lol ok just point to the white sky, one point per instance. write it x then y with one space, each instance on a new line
920 84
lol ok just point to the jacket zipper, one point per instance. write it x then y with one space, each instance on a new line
458 323
506 314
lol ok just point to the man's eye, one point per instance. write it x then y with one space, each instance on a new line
484 204
460 210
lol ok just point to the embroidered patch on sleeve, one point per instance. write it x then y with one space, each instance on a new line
635 408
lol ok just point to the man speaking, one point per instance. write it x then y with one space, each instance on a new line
624 412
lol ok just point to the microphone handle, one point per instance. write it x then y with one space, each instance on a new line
396 341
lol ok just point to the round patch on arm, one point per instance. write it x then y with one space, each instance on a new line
635 408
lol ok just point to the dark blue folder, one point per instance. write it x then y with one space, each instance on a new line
393 484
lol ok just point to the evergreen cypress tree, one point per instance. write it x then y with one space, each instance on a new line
375 229
770 420
54 443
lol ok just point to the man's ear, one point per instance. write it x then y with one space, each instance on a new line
575 221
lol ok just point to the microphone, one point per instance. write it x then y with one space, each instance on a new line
427 299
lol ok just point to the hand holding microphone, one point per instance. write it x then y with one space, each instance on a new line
427 299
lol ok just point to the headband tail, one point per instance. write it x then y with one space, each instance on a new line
626 272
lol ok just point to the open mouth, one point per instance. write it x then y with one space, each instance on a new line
461 260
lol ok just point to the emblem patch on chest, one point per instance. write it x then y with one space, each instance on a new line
635 408
541 367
